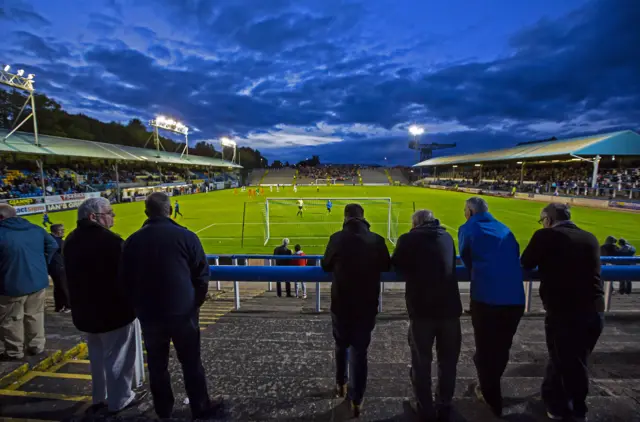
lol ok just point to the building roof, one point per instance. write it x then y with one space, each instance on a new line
626 142
23 143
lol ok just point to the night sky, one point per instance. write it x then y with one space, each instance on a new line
339 78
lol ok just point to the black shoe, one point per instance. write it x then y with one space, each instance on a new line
443 414
95 409
341 391
6 358
32 351
139 398
356 409
419 413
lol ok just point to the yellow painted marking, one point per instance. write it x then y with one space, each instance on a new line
14 375
60 375
38 395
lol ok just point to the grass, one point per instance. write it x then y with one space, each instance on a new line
217 217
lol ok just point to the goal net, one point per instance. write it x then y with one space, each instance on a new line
313 226
325 181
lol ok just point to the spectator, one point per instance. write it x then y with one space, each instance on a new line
491 253
356 257
167 296
609 248
426 258
101 308
301 263
57 272
25 252
283 250
625 250
568 259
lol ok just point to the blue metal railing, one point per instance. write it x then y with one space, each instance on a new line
315 274
618 260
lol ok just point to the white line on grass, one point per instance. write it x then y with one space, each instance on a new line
205 228
449 227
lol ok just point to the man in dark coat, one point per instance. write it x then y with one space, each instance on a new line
284 251
626 249
356 257
165 268
568 259
57 273
426 259
101 306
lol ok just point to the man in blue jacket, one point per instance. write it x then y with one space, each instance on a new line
25 253
492 255
166 269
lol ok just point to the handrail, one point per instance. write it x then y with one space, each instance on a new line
619 260
316 274
295 273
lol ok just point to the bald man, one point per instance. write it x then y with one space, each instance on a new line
25 253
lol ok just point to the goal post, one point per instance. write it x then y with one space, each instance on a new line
325 182
283 218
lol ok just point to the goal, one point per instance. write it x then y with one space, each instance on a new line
315 224
325 182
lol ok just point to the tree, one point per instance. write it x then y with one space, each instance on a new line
53 120
277 164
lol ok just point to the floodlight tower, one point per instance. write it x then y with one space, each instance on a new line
226 142
171 125
19 81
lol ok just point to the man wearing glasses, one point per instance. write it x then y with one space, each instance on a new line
100 306
568 259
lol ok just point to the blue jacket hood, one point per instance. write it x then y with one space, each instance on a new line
16 223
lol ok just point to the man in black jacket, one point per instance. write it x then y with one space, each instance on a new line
101 307
568 259
57 273
426 259
165 267
356 257
283 250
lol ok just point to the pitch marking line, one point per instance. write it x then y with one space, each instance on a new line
205 228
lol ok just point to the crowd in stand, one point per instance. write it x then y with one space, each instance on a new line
339 173
27 183
111 284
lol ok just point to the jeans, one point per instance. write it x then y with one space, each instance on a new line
22 323
352 338
447 335
493 330
112 356
570 340
301 285
287 286
185 333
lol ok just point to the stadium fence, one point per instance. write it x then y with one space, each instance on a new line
614 269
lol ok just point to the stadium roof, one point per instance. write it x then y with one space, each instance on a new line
23 142
625 142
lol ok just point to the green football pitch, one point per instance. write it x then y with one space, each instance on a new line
217 217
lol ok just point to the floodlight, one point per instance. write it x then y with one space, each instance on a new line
30 76
455 167
416 130
478 165
519 162
7 67
227 142
20 72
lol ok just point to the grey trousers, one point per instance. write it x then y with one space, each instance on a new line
22 323
112 356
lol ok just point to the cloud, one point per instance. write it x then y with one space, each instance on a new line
330 77
22 13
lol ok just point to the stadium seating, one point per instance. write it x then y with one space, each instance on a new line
398 176
255 176
283 176
374 175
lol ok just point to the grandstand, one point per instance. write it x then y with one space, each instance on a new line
397 175
374 176
281 176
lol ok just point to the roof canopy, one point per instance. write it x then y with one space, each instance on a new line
626 142
24 143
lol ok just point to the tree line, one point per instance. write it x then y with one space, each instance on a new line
53 120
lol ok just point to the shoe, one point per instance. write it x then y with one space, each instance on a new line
443 414
32 351
356 409
65 310
341 390
497 411
554 417
478 392
139 397
95 409
6 358
304 296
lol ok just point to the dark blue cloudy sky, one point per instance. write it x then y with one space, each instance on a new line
340 78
